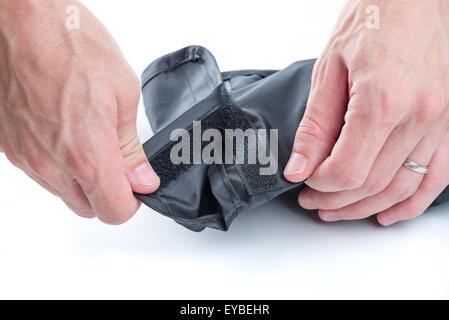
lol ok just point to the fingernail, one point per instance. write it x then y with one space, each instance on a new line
307 204
145 175
296 165
331 217
389 220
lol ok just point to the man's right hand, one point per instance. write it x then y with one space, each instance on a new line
68 107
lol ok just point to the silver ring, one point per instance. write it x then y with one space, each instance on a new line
416 167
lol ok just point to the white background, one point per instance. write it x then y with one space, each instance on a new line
277 251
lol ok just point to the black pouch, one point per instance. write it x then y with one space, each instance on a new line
187 86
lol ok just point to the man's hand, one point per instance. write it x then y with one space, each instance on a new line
68 106
380 96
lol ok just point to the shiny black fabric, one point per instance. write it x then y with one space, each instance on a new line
186 86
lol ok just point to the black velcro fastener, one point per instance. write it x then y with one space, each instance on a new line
226 116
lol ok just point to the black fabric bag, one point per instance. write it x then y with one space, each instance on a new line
187 86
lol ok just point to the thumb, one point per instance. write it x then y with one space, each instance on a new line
322 121
141 176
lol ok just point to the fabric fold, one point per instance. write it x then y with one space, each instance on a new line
185 90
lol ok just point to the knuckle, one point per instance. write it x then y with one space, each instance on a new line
431 107
131 95
82 212
363 108
86 174
424 116
309 128
437 184
36 164
357 214
113 219
442 181
413 210
384 96
86 214
435 99
81 167
356 114
114 210
131 148
403 189
350 179
328 203
374 187
128 100
363 86
359 59
77 202
391 106
14 160
393 103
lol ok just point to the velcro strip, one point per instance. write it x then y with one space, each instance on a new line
226 116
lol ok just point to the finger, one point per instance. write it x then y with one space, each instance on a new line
141 176
400 144
83 212
42 183
49 175
434 182
403 185
23 165
322 121
77 201
66 188
108 189
369 121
